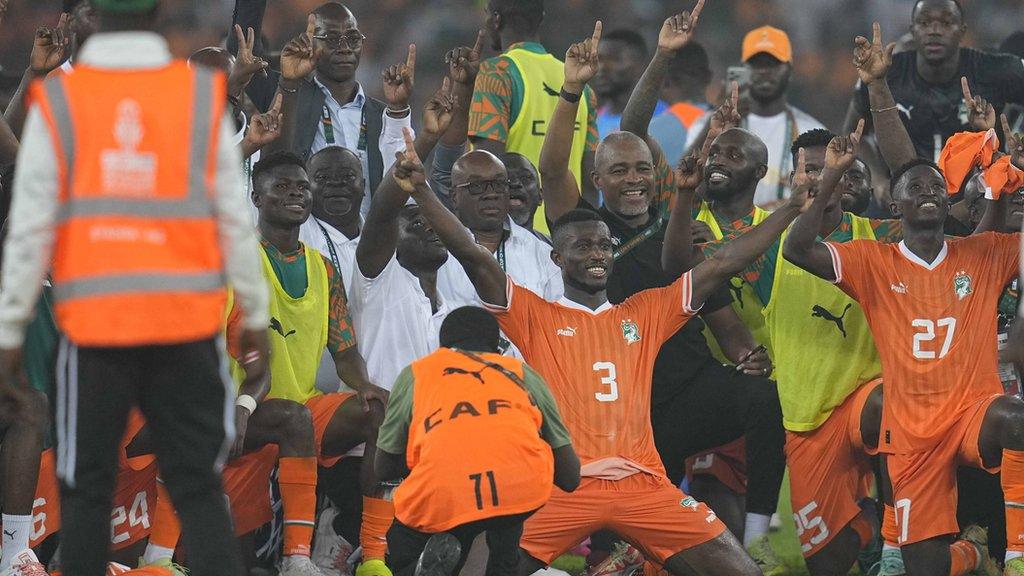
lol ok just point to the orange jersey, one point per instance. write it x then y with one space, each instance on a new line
934 326
599 364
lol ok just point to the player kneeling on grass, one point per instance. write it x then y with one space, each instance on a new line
463 423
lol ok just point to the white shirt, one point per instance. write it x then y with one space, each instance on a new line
29 245
346 122
393 320
311 233
777 134
527 261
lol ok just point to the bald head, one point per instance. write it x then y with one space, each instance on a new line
333 11
749 141
212 57
474 165
616 144
480 191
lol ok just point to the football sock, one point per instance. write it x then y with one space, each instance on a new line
963 558
163 537
297 479
1013 492
377 517
16 529
890 533
756 525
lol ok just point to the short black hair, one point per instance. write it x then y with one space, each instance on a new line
523 16
810 139
959 7
470 328
902 170
273 161
629 37
692 63
329 149
572 217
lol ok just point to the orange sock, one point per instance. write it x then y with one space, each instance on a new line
1013 492
890 533
297 479
166 526
377 517
862 526
963 558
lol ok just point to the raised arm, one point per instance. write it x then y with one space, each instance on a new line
676 32
872 60
560 192
379 236
263 130
678 254
298 60
802 247
50 48
463 66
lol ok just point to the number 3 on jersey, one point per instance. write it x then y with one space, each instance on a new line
608 379
925 333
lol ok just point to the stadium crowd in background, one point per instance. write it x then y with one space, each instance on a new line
582 304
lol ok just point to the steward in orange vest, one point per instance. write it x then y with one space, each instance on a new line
483 442
127 177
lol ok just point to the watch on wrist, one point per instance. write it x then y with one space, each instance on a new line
569 96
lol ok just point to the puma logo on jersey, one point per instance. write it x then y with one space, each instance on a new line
900 288
551 91
275 325
567 331
904 109
819 312
453 370
737 291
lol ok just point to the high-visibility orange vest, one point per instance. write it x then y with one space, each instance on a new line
137 259
474 449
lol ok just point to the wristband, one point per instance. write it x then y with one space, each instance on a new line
401 111
247 402
880 110
569 96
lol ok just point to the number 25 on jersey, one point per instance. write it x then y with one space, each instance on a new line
926 332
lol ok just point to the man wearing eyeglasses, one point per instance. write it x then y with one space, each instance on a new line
325 106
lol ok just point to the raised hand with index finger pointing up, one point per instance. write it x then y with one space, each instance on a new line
399 80
581 61
872 59
678 30
981 116
408 171
299 56
464 63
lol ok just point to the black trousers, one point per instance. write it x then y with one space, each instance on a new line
184 392
715 407
503 532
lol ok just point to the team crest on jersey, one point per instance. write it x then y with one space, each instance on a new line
630 331
962 285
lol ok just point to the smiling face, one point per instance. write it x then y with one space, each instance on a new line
737 160
282 195
583 250
524 194
337 185
624 172
480 191
938 28
769 77
339 60
920 198
418 245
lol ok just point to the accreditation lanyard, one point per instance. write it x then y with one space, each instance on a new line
791 132
501 255
328 124
635 241
330 248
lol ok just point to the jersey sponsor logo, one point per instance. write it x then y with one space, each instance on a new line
455 370
962 285
567 331
462 409
900 288
630 332
820 312
275 325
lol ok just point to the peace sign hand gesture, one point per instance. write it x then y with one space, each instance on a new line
678 30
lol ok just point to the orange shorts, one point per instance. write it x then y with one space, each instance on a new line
322 408
46 506
129 514
829 472
924 483
648 511
247 484
727 463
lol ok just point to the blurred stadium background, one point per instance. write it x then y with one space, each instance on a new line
822 32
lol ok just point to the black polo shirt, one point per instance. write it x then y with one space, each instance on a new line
686 352
929 109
